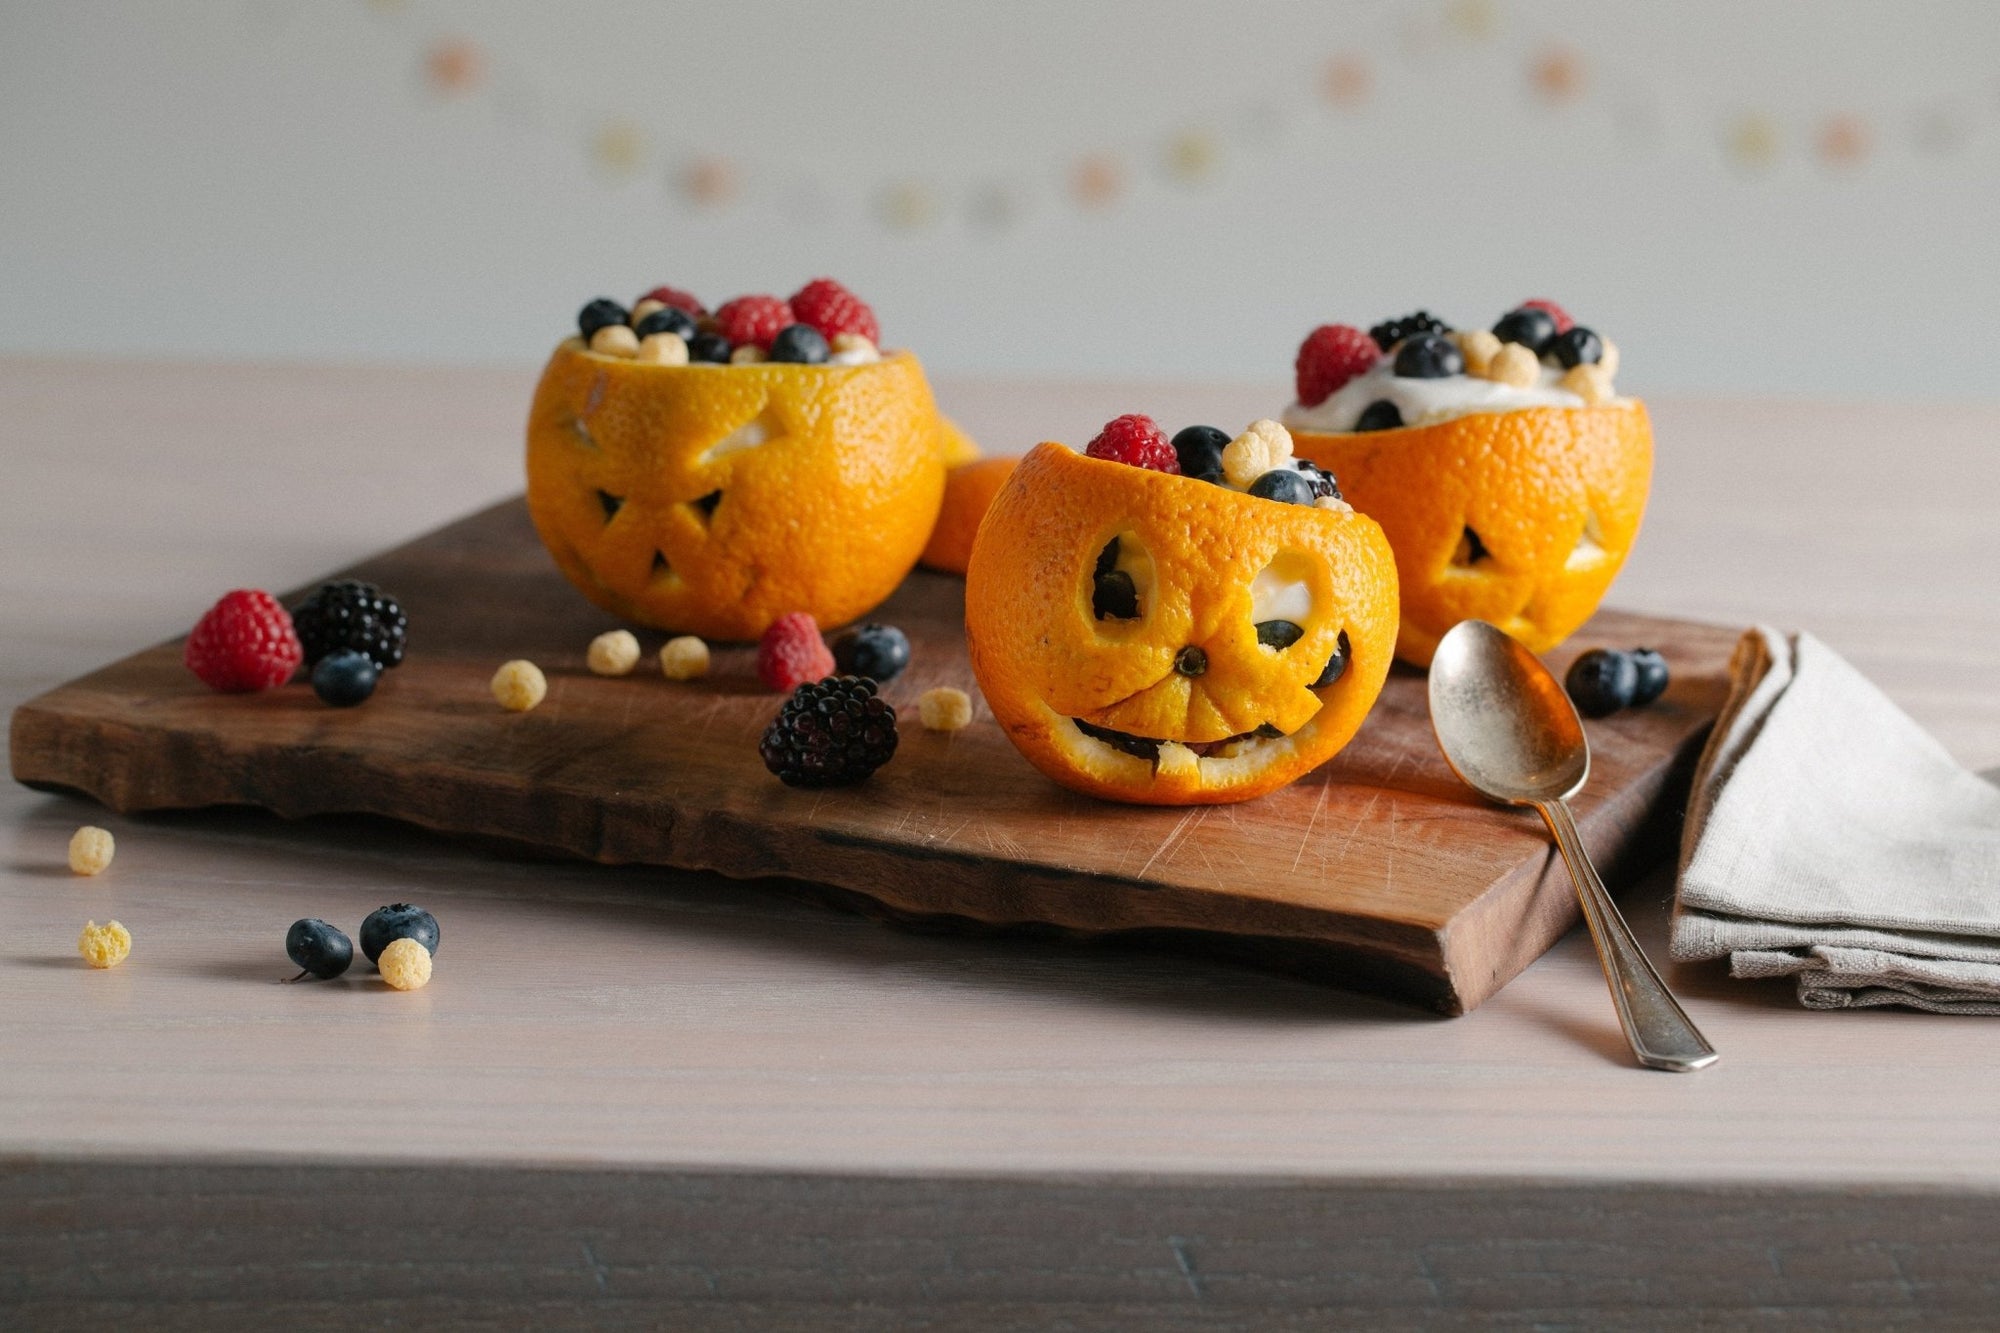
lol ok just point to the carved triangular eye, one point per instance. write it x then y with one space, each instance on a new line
661 568
1470 549
1589 543
1113 594
705 506
612 504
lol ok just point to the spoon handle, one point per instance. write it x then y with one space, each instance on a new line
1662 1035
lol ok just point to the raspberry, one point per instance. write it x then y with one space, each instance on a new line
1331 355
830 734
245 642
676 298
1392 331
833 310
351 614
1555 312
792 653
753 319
1136 440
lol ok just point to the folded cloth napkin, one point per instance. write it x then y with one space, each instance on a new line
1830 838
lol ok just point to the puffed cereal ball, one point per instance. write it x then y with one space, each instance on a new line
613 653
684 658
748 354
1607 359
1478 347
858 346
944 709
664 349
1589 383
105 945
615 340
91 849
405 964
519 685
1514 365
1264 446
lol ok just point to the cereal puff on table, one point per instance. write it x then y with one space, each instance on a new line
1509 476
709 472
1183 624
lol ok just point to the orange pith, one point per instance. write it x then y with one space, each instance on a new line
1554 496
968 493
1044 661
714 499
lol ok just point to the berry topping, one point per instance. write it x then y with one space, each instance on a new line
1136 440
1555 312
1530 327
1331 355
833 310
1379 415
1652 682
753 319
1429 356
351 614
829 734
791 653
244 642
397 921
1602 681
1322 482
668 319
800 343
1392 331
1578 346
1199 451
674 296
879 652
319 949
1336 665
711 347
344 678
601 313
1285 485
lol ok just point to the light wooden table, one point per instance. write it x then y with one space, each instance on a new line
649 1096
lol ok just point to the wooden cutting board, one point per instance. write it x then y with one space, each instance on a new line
1377 872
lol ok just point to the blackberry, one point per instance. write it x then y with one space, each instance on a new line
1321 481
1392 331
830 734
351 614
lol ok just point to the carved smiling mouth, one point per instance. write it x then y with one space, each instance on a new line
1148 748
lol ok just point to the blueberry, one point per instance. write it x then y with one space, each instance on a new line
1528 326
1199 449
1284 485
1318 478
670 319
709 347
1602 681
801 344
1379 415
318 948
1336 665
879 652
345 678
1428 356
598 314
1652 676
1578 347
398 921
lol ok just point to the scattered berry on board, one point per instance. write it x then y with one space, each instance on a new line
245 642
90 850
944 709
753 320
792 653
830 734
519 685
319 949
104 946
345 678
405 964
800 344
348 613
684 658
1653 676
1136 440
833 310
397 921
1330 356
879 652
613 653
1601 682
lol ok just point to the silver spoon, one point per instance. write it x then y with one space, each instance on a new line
1510 732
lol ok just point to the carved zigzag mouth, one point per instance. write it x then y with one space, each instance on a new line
1148 747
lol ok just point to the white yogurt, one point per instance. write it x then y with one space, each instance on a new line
1423 402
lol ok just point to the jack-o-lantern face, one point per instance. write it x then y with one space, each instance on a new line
714 499
1520 518
1163 640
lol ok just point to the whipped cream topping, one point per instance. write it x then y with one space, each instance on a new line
1424 402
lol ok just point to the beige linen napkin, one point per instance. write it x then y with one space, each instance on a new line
1830 838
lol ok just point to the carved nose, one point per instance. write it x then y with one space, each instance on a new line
1191 661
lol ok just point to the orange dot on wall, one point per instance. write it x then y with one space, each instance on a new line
1098 181
454 67
1843 141
1346 81
1558 74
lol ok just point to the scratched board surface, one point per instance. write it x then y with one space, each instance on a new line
1378 871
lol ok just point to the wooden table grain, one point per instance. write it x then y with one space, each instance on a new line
640 1096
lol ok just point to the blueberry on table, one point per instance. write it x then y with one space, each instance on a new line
1531 328
598 314
319 949
1199 449
1429 356
345 678
801 344
1652 682
1578 347
712 347
879 652
1380 415
1602 681
667 319
1285 485
398 921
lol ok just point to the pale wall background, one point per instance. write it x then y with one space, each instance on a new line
1795 197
